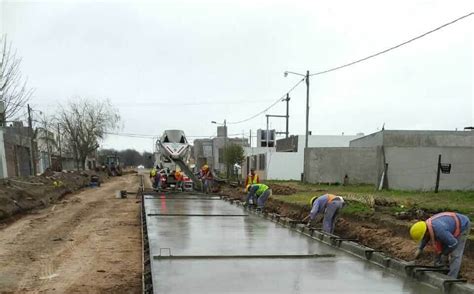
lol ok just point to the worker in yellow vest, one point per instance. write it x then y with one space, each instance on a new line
252 178
447 232
329 205
153 173
258 193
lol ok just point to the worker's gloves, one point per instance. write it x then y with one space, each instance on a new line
417 253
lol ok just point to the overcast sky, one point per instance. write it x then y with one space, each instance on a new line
180 64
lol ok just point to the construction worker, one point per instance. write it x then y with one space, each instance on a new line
179 179
329 205
206 178
153 173
252 178
258 193
447 232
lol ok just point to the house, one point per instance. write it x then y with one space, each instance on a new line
211 151
47 149
397 159
286 160
17 145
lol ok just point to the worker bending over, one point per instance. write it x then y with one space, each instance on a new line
252 178
447 232
258 193
329 205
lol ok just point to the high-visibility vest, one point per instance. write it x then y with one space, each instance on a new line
437 246
261 188
331 197
153 172
252 180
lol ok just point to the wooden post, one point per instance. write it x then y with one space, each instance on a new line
438 174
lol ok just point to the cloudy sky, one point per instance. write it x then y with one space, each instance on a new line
181 64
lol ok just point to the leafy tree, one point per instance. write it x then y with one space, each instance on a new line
233 154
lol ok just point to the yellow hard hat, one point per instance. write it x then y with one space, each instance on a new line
205 166
418 230
312 200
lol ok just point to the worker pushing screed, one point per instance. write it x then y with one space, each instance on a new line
447 232
328 205
258 193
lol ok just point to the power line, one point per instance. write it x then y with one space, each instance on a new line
268 108
393 47
148 136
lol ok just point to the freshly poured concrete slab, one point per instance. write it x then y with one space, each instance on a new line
251 235
277 276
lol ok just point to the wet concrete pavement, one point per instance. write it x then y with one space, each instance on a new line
191 226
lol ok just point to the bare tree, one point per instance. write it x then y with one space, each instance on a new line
13 89
44 134
85 122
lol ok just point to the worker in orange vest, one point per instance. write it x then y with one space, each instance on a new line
179 179
447 232
328 205
206 178
252 178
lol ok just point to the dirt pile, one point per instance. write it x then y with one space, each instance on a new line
19 195
278 189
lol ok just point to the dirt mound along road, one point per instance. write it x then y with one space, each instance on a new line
19 195
88 243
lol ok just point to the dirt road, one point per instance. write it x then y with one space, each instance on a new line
87 243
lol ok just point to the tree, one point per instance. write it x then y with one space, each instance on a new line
148 159
44 133
130 157
14 92
233 154
85 122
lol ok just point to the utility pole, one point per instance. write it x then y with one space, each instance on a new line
307 109
32 141
225 149
250 137
266 134
59 147
438 172
287 115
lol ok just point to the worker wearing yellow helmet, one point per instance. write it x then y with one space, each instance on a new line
328 205
258 194
207 178
447 232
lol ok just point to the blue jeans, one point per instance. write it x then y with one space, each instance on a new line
207 185
330 215
456 255
263 198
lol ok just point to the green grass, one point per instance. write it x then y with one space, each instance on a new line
460 201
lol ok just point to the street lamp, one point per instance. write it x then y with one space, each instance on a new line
306 76
225 141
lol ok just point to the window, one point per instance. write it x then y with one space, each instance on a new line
254 162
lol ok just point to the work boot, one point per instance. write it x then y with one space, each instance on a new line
259 209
